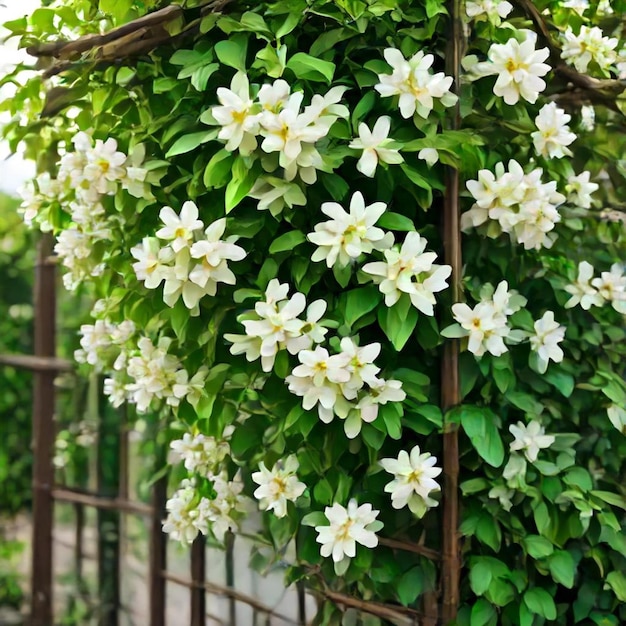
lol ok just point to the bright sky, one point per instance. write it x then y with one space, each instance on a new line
14 171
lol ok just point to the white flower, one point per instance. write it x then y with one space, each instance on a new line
213 254
503 495
374 144
413 481
589 45
588 117
581 291
200 454
348 235
360 363
410 270
278 486
317 380
617 417
485 327
105 165
275 193
612 287
273 97
152 264
579 190
493 10
552 134
580 6
545 341
239 124
414 83
115 390
179 229
380 392
348 526
530 439
518 67
430 155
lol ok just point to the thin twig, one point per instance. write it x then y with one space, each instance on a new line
429 553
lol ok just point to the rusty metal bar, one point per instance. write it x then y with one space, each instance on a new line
64 494
230 576
36 363
43 439
301 604
450 388
158 555
198 575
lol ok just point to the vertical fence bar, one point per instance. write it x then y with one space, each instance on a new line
43 438
108 520
158 554
198 574
230 576
301 604
450 391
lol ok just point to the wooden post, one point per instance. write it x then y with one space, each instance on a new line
158 554
43 438
198 573
450 389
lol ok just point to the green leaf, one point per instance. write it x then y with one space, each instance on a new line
287 242
395 221
315 518
190 142
617 582
410 586
540 602
563 568
218 169
480 577
562 381
307 67
398 323
483 613
359 302
537 547
232 52
479 423
323 492
609 497
240 184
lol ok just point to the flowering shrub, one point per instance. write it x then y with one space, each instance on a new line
258 212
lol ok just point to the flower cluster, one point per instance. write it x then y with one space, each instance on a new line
286 131
343 384
579 190
515 203
553 135
414 83
200 453
148 374
274 325
413 482
493 10
86 175
589 291
486 325
103 344
590 45
518 67
278 486
190 513
192 263
408 269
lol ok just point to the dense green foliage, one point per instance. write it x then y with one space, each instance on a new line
543 539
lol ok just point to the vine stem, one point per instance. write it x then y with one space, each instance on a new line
450 389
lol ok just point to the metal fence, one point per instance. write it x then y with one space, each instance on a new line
113 503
